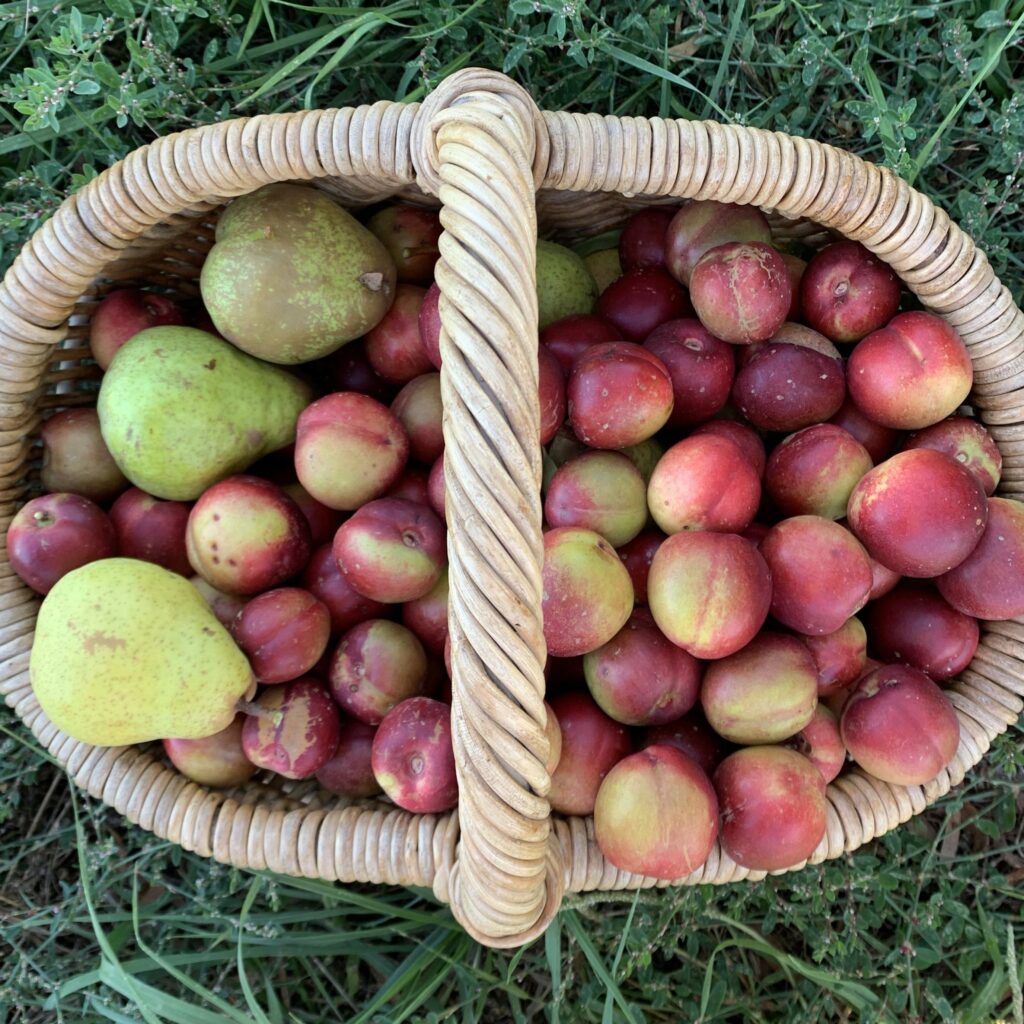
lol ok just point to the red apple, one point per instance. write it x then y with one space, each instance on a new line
709 593
55 534
75 458
656 814
920 513
847 292
911 373
122 314
592 744
349 449
619 395
298 731
284 633
412 756
418 408
152 530
392 550
245 535
899 726
773 807
819 741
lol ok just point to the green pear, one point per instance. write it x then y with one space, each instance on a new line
604 267
126 651
181 409
292 276
564 284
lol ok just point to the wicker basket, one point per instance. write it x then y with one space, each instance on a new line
480 146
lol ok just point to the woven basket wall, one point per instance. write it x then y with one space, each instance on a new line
497 165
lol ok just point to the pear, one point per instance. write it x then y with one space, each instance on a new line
604 267
181 409
292 276
126 651
564 284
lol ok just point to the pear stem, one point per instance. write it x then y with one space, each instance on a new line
249 707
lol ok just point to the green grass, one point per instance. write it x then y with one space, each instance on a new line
100 921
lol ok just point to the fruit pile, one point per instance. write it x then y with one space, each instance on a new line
249 562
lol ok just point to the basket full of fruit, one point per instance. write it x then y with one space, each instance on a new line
354 533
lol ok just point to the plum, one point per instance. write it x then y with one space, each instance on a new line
349 449
418 408
551 392
839 656
324 579
642 242
410 234
429 323
637 556
121 314
323 521
436 490
741 291
394 346
656 814
348 369
588 595
619 395
821 574
814 471
216 760
569 338
773 807
702 225
846 292
297 731
704 483
600 491
639 677
879 441
748 440
989 583
919 513
764 693
701 366
56 533
693 736
245 535
819 741
283 632
641 300
152 530
911 373
899 726
592 744
427 616
376 665
350 771
709 593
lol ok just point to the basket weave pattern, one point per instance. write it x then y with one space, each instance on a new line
497 165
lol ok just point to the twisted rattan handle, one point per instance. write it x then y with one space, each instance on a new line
476 143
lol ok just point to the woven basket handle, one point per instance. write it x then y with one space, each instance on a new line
476 144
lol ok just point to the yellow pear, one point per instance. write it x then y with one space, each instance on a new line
126 651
